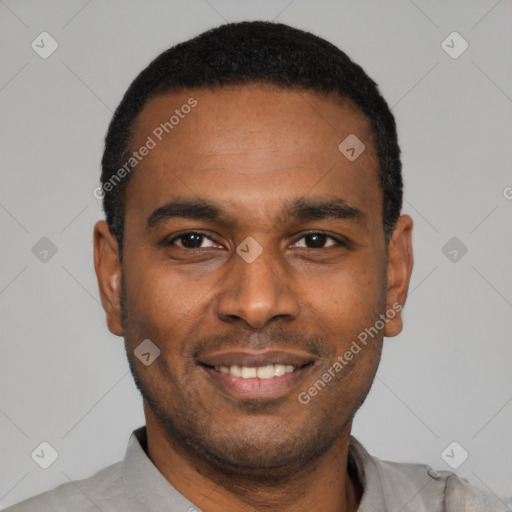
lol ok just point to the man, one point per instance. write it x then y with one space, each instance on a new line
253 258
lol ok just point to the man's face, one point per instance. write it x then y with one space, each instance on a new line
264 160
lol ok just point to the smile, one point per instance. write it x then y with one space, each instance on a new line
256 375
269 371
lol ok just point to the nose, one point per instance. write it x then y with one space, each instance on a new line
257 292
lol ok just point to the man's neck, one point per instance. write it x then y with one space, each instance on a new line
325 484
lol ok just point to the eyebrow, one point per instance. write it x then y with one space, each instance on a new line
300 209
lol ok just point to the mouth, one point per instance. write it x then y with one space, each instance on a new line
256 375
269 371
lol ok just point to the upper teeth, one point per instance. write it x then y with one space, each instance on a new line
260 372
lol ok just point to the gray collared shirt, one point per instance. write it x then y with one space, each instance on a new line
136 485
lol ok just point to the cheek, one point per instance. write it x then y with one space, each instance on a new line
347 297
350 298
164 299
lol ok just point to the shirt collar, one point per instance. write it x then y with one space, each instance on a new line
374 497
145 483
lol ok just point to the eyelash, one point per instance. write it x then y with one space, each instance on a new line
339 243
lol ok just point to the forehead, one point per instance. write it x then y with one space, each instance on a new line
252 147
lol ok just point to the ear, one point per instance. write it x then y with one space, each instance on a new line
108 273
400 263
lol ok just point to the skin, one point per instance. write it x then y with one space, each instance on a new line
253 150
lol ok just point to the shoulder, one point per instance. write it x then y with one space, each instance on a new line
98 492
462 495
444 489
417 487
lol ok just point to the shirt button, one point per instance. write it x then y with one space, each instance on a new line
434 474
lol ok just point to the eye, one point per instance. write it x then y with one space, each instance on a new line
317 241
193 240
199 240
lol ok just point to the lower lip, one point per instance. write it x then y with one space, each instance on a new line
262 389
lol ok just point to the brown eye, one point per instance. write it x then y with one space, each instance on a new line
316 241
192 240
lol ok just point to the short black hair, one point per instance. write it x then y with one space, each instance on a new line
243 53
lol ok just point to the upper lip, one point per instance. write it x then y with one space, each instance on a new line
252 359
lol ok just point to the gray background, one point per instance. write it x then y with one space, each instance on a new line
64 378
